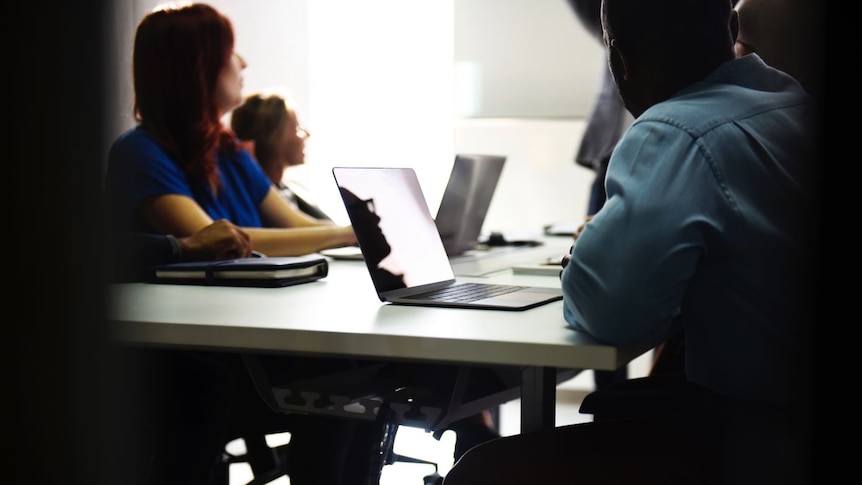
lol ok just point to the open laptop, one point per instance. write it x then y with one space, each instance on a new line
403 251
463 207
466 200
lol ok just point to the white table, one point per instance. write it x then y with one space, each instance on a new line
341 316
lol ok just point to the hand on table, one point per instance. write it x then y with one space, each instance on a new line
219 240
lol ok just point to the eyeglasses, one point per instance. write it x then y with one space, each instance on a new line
302 132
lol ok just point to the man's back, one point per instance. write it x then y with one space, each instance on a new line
709 224
710 194
739 210
711 189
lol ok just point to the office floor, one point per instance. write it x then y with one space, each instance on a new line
417 443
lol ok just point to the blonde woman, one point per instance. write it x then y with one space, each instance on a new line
268 125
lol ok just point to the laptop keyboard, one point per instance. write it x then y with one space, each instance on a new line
467 292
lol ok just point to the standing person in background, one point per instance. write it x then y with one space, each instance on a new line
269 125
604 127
711 217
607 116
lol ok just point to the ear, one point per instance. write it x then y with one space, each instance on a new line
619 62
734 26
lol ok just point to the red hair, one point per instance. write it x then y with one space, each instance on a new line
178 55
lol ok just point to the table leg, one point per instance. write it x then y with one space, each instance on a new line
538 398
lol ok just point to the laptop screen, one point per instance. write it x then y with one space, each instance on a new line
466 200
394 227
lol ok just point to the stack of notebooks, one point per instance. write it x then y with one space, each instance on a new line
260 272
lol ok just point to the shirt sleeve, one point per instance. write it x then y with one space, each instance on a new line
631 264
252 177
139 168
135 253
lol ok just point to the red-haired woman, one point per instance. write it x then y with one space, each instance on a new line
181 168
175 173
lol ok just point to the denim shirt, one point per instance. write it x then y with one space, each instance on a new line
708 198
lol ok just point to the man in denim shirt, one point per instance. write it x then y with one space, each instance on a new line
709 223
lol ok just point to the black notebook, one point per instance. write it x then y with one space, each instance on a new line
263 272
403 250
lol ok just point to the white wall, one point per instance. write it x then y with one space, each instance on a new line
526 58
540 183
381 90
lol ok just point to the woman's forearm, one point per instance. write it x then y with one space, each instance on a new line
299 240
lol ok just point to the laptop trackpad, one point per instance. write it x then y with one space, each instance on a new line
520 297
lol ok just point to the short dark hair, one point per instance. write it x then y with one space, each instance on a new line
670 32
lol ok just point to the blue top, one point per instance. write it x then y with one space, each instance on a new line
707 197
138 168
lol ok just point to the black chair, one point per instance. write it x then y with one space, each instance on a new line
252 422
391 395
269 463
388 423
